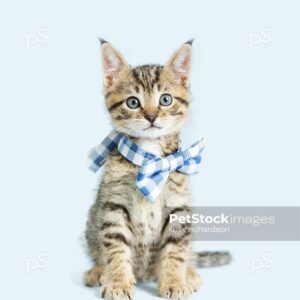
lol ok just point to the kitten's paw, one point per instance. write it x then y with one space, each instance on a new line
118 291
175 291
194 279
92 277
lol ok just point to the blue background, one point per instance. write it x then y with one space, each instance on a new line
245 87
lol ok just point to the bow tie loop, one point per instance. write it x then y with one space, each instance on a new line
173 162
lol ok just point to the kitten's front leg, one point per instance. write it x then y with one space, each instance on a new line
172 274
174 269
117 279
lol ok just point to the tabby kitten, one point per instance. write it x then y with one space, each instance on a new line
127 235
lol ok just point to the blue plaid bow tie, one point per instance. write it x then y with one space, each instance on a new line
154 170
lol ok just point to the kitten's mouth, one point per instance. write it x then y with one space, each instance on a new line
152 126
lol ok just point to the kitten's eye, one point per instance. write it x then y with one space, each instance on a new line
165 100
133 102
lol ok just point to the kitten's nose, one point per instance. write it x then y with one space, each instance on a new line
150 117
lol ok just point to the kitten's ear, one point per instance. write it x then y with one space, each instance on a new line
114 65
179 64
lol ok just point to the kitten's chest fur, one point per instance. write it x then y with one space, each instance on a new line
150 145
147 216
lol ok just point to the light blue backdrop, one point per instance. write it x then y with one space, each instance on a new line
245 85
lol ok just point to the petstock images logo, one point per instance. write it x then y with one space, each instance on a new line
237 223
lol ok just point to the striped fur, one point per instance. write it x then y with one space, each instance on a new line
128 237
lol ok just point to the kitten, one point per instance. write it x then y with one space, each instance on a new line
127 235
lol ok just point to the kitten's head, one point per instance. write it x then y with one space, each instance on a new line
147 101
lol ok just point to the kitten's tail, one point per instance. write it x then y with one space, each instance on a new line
210 259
